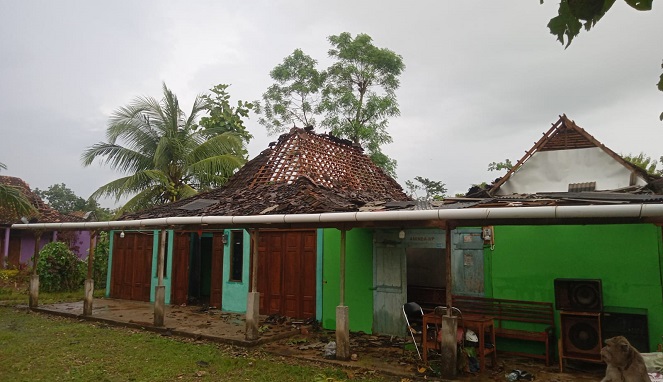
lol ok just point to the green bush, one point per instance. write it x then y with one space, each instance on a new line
59 269
100 263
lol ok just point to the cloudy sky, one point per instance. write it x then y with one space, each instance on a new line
483 80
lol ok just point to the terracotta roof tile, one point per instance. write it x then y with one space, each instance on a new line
303 172
44 214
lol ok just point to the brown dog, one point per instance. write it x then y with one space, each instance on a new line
625 364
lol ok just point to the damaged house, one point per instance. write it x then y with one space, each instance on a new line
17 246
571 225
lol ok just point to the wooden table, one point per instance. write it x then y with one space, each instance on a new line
481 325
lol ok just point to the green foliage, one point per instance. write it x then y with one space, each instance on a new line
498 166
356 94
100 261
435 190
645 162
63 199
224 118
567 23
164 153
59 268
294 98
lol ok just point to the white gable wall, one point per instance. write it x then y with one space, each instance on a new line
552 171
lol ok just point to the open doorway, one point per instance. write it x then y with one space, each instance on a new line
426 276
200 271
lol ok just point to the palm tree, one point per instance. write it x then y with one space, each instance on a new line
164 153
12 199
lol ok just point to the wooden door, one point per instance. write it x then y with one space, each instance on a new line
389 285
180 268
14 255
216 288
132 266
287 273
467 262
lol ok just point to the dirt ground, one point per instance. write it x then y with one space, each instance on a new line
396 357
384 355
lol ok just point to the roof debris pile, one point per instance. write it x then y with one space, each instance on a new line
302 173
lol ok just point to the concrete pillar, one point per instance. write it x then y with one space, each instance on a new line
448 349
5 249
342 333
252 316
89 282
342 311
159 305
34 291
34 279
87 301
160 289
253 298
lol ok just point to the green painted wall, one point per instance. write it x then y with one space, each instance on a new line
359 278
626 257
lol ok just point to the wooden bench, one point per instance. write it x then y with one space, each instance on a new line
541 314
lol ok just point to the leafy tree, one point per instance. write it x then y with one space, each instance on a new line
225 118
14 200
498 166
572 13
434 190
356 94
645 162
63 199
164 153
294 98
360 93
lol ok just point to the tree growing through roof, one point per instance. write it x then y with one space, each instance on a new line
434 190
573 15
164 153
13 199
646 163
355 96
294 98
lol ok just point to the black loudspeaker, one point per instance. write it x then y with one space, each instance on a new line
633 326
578 295
581 335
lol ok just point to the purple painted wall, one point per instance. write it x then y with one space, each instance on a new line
82 240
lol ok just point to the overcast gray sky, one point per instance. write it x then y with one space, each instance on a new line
483 80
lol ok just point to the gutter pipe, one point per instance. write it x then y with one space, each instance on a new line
545 212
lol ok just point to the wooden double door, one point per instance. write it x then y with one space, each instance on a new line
287 273
132 266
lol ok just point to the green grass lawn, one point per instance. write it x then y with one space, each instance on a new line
40 347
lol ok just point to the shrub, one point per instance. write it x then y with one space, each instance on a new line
100 263
59 269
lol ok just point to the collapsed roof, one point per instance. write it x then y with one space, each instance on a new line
303 172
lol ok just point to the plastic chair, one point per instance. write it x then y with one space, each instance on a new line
414 318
